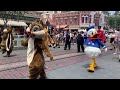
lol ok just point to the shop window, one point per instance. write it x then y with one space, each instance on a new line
86 19
65 21
82 19
75 20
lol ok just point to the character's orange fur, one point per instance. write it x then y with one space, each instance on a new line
36 67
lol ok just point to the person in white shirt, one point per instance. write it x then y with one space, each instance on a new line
117 42
112 38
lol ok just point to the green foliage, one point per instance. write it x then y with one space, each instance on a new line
106 13
16 15
114 21
116 12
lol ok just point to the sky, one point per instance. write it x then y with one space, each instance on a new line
112 12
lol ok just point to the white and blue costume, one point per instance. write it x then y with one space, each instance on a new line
92 46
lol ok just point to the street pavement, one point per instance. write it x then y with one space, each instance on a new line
67 64
108 68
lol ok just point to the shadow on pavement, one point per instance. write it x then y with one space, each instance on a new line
10 55
87 65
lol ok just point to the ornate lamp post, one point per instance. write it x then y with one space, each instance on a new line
92 18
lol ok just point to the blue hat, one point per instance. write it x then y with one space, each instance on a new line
90 27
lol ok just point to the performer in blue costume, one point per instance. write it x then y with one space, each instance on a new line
92 46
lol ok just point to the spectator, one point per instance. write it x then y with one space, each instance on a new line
112 38
56 40
101 35
80 42
117 42
0 36
67 41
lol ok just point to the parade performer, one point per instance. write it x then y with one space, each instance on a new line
92 46
36 46
47 40
7 41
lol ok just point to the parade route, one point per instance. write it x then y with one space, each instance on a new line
59 45
67 64
108 68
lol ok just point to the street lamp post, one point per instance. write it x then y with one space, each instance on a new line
92 17
49 26
115 23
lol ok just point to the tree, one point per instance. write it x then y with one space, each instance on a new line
114 21
106 13
116 13
16 15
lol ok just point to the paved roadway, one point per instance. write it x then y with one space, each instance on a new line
67 65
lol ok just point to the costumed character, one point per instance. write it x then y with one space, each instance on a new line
92 46
47 40
7 41
36 46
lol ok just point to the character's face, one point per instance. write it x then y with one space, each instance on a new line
36 31
35 28
92 33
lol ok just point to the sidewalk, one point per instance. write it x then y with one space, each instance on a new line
19 60
108 68
67 64
19 70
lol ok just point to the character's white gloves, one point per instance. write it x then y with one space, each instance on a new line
106 49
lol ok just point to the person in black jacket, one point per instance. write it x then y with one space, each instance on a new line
67 41
80 42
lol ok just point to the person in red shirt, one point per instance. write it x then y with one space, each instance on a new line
101 34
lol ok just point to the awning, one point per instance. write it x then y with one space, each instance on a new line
61 26
14 23
65 28
1 22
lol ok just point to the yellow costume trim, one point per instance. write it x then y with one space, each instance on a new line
93 65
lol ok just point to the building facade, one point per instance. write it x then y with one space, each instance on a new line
78 19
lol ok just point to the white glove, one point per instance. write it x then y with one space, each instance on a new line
106 49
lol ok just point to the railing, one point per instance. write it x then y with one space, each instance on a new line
17 40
